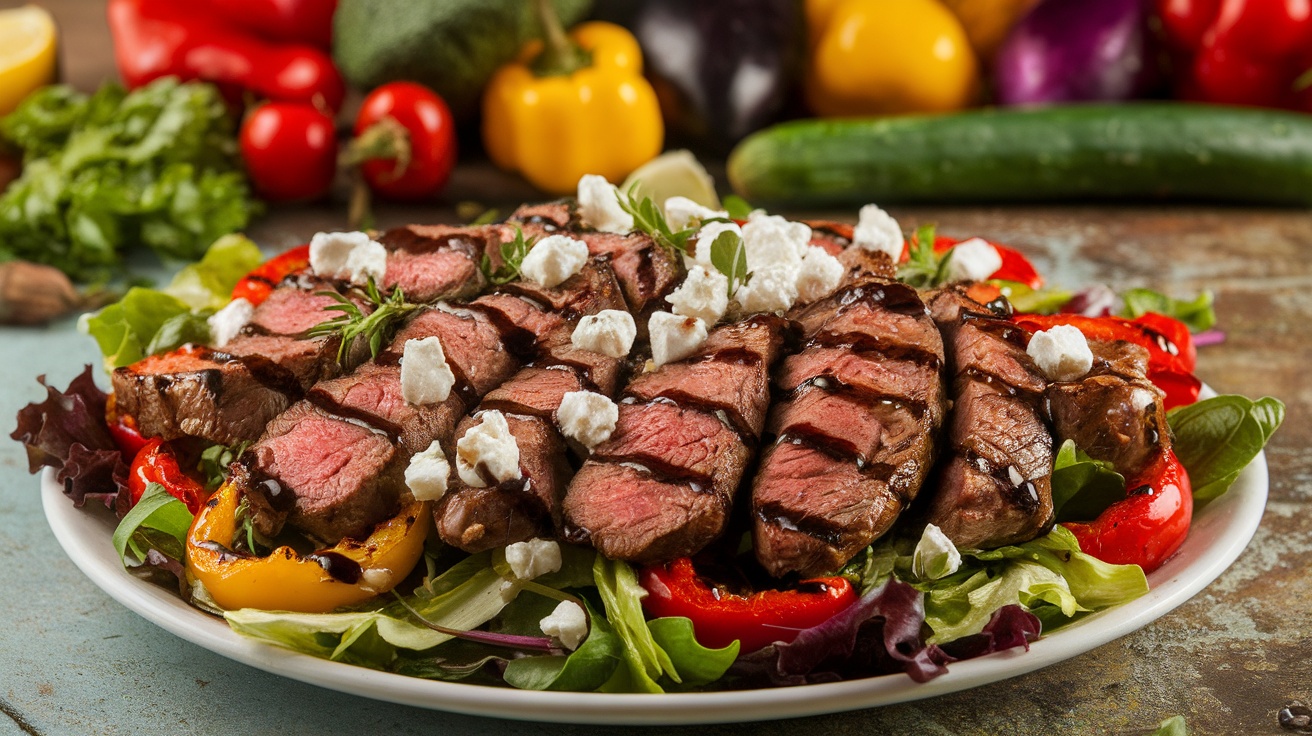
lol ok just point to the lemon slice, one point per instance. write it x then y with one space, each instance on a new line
674 174
27 53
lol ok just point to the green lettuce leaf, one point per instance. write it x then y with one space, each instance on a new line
208 283
1033 301
1197 313
126 329
583 670
1083 487
645 661
157 521
695 664
1217 438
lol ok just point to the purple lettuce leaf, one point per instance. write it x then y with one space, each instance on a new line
1011 626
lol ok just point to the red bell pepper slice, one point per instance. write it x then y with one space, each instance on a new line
157 463
123 429
256 286
720 617
1147 527
1015 266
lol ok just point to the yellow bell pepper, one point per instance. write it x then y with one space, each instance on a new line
287 581
578 105
878 57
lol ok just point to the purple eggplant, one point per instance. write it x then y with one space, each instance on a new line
1078 51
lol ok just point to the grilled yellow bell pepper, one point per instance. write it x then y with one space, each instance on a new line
576 105
287 581
878 57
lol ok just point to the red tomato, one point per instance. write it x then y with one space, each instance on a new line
1226 76
156 463
1262 29
290 151
1185 21
419 117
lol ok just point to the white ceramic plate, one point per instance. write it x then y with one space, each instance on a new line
1220 532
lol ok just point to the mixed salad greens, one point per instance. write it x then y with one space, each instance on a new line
911 602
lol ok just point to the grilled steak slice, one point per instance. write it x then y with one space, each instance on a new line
289 363
589 291
373 394
523 324
534 391
677 442
996 488
195 392
646 272
472 344
863 401
432 262
544 219
535 498
1114 413
291 310
329 477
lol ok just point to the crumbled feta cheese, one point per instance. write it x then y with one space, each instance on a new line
674 337
682 213
427 473
568 622
426 377
771 240
587 417
1061 352
771 289
704 295
352 256
706 237
554 259
488 447
609 332
973 260
877 230
376 579
935 556
226 323
533 558
819 275
599 206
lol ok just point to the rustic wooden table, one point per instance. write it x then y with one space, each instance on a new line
72 661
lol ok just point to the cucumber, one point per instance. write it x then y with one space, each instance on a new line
1140 151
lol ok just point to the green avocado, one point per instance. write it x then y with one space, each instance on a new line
452 46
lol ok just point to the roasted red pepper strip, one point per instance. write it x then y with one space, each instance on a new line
156 463
1015 266
1170 363
1149 525
123 430
169 38
255 286
720 617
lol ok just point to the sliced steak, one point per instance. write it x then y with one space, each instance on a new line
373 394
589 291
534 391
433 262
472 344
546 218
853 425
196 392
329 477
292 309
288 363
677 442
646 272
914 384
523 324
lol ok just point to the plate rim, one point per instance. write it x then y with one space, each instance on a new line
1231 520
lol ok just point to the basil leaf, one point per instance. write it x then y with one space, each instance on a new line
737 207
729 257
157 521
179 330
1083 487
1197 313
1217 438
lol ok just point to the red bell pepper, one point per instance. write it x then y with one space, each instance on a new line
189 40
127 436
1241 52
1149 525
1171 353
255 286
1015 266
720 617
157 463
287 21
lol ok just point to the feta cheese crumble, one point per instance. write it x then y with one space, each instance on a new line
599 206
771 289
674 337
568 622
554 259
352 256
427 473
704 295
226 323
706 237
609 332
973 260
426 377
533 558
819 275
1061 352
682 213
771 240
488 447
877 230
587 417
935 556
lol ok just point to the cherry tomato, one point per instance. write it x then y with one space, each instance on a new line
1226 76
156 463
1262 29
405 141
1185 21
290 151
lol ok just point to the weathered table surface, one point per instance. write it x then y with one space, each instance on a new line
72 661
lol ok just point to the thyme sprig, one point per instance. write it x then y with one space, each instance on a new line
376 327
512 257
924 268
648 218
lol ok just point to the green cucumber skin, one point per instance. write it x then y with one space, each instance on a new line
1144 151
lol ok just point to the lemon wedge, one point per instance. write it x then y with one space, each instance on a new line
674 174
27 53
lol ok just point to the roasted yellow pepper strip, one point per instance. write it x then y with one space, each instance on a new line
562 111
286 581
881 57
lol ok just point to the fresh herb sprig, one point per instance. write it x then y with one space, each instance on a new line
376 327
648 218
924 269
512 257
729 256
